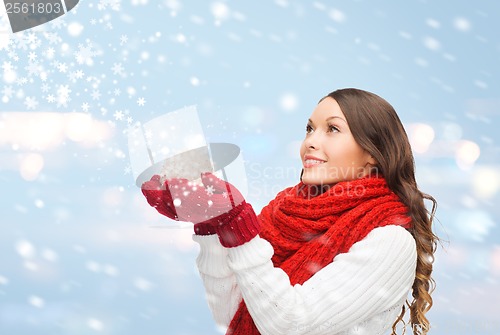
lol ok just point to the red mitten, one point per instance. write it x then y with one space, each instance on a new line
214 207
160 197
238 224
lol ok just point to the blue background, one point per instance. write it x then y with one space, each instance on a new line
80 250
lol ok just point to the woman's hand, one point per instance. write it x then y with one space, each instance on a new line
216 206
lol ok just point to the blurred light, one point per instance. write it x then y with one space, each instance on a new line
31 166
36 301
431 43
25 249
143 284
95 324
485 182
75 29
462 24
195 81
289 102
337 15
220 10
466 154
78 126
9 76
45 130
421 136
3 280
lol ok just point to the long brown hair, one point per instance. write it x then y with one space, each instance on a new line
377 128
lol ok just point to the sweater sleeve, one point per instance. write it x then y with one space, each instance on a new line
222 292
375 275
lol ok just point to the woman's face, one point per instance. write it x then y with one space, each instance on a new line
329 152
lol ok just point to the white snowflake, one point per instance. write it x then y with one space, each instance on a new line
118 115
32 56
85 106
123 39
45 88
141 101
96 95
31 103
62 67
79 74
117 69
210 190
85 54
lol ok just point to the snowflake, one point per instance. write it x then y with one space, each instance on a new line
141 101
118 115
21 81
117 69
93 22
32 56
123 39
84 54
62 67
225 194
96 95
31 103
130 120
210 190
79 74
45 88
50 98
63 90
63 101
85 106
117 92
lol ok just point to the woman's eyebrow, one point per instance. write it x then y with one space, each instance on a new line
336 117
328 119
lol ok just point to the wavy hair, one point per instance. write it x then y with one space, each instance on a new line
377 128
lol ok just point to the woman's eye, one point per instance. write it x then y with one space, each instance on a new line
333 129
309 129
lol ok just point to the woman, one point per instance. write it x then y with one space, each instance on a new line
336 254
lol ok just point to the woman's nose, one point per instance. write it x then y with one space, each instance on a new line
311 141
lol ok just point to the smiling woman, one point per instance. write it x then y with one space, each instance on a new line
337 253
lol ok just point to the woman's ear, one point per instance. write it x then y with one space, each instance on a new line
371 160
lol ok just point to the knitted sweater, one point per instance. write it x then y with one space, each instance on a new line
360 292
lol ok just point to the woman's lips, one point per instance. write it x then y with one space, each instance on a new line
312 161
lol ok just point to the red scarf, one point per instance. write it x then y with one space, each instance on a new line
308 231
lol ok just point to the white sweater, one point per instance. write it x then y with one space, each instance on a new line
360 292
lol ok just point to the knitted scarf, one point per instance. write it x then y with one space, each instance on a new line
308 229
